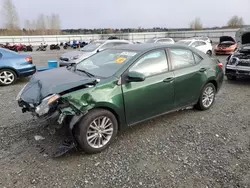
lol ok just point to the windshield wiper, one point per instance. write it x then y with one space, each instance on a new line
86 72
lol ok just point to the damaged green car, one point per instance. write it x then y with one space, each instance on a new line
120 87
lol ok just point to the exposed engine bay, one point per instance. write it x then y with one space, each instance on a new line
238 64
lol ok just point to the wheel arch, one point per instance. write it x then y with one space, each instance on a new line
10 68
118 113
214 82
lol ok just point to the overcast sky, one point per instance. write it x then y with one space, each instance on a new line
135 13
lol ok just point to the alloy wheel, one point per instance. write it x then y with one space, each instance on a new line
7 77
100 132
208 97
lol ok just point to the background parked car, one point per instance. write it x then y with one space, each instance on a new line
204 38
238 64
14 65
88 50
201 45
161 40
226 46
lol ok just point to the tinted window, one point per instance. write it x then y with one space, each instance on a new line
152 63
181 58
197 59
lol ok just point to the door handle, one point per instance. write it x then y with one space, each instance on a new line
170 79
202 69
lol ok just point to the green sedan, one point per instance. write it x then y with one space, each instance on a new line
120 87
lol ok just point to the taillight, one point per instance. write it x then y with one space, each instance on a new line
28 59
220 65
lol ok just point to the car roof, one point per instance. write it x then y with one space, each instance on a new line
147 46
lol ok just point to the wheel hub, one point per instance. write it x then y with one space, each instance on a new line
99 132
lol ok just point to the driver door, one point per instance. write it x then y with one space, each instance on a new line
154 95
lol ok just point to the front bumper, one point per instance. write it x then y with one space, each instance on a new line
237 70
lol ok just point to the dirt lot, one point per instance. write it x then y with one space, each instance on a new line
183 149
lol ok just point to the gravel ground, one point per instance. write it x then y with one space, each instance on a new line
183 149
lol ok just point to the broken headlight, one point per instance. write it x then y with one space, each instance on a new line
46 103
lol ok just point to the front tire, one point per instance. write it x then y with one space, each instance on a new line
96 131
7 77
207 97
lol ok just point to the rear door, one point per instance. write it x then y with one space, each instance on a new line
189 76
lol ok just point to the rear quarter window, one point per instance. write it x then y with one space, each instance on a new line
197 58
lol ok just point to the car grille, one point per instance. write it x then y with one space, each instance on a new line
245 64
64 59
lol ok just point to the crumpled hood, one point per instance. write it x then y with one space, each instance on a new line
53 81
243 37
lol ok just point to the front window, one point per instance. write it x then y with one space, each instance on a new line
106 63
184 42
92 46
152 63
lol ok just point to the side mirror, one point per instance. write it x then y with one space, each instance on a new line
135 77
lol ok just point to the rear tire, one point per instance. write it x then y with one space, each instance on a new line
207 97
96 131
7 77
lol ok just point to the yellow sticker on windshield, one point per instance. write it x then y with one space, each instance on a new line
120 60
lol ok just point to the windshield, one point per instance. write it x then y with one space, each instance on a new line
150 41
185 42
106 63
92 46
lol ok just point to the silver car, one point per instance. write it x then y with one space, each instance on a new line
88 50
